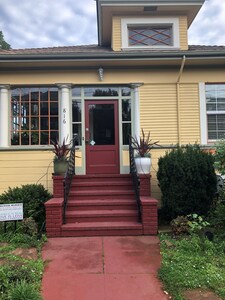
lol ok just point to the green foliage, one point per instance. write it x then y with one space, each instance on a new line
60 150
220 157
217 218
16 269
196 223
144 145
189 224
33 197
3 44
180 225
190 263
187 181
29 227
24 291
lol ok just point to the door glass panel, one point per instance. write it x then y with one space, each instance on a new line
101 124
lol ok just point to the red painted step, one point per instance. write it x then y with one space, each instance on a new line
106 185
101 216
102 229
112 204
101 205
101 194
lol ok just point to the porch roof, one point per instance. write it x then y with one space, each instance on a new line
89 56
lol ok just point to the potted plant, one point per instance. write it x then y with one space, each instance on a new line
60 160
142 148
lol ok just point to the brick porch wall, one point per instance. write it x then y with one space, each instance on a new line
58 191
54 217
149 206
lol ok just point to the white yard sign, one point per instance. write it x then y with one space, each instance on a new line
11 212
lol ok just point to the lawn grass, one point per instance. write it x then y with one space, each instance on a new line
20 278
192 262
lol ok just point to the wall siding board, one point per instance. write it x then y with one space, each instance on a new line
189 113
183 33
116 34
158 112
25 167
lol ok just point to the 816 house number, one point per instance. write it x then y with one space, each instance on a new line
64 115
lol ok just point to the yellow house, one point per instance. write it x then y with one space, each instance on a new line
142 74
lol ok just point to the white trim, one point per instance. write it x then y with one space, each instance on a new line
64 114
4 116
203 114
174 22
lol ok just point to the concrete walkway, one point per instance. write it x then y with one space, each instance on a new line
102 268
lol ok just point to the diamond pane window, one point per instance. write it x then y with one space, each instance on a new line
150 36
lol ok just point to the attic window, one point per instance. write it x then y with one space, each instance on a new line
150 36
161 33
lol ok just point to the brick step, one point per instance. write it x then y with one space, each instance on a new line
98 194
102 229
110 204
101 216
103 178
107 185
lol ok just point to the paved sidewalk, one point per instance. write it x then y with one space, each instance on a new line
102 268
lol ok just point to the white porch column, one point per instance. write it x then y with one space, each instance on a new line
64 113
4 115
135 87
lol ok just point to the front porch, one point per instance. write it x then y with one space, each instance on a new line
101 205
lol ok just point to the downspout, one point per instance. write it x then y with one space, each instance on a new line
178 99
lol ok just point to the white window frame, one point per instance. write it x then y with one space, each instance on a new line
204 113
131 22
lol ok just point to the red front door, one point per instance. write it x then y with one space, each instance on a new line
101 137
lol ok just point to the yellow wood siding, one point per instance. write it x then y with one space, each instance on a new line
158 112
189 113
116 34
25 167
183 33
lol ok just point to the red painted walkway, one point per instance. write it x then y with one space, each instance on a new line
102 268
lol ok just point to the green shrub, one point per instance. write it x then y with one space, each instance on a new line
33 197
220 157
24 291
217 219
187 181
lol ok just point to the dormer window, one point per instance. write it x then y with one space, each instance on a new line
159 33
150 36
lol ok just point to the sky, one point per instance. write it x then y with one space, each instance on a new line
47 23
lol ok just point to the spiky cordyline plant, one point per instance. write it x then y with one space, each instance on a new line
60 150
144 145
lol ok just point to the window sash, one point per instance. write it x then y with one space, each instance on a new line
215 109
34 116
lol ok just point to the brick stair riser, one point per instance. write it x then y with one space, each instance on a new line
88 188
104 178
74 196
109 232
100 207
101 219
